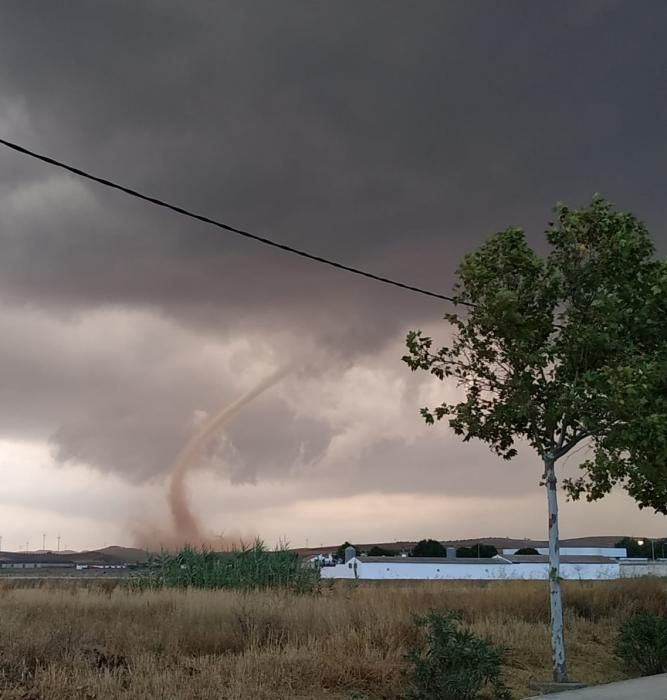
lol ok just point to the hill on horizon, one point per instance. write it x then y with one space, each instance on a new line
499 543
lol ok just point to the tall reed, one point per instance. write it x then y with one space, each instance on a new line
246 568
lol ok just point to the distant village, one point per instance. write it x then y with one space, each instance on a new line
593 558
601 558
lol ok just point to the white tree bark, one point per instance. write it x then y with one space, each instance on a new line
557 636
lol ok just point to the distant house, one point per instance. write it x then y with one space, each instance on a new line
322 559
34 561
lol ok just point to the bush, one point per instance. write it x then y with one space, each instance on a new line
451 663
527 551
482 551
642 644
380 552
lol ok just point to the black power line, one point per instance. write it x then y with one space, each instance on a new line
219 224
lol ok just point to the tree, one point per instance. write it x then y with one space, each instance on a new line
562 351
376 551
525 551
644 547
429 548
478 551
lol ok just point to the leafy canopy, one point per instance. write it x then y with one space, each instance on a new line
428 548
647 548
563 349
482 551
377 551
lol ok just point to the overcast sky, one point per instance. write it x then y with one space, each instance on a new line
394 136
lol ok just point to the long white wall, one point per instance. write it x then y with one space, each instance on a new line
634 569
338 571
405 571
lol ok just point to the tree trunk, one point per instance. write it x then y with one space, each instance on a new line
557 638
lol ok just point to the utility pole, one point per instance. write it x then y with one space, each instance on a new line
43 542
1 543
58 538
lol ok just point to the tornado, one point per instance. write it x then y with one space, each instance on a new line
186 525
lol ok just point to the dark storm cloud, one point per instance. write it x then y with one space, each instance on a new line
394 136
390 135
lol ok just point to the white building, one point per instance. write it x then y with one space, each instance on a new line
322 559
498 568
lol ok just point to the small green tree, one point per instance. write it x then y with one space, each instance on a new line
643 547
633 548
429 548
562 350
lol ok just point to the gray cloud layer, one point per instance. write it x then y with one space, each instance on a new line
390 135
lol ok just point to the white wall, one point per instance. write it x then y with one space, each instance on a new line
408 571
589 572
338 571
633 569
377 571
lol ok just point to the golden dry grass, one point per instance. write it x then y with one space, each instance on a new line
66 640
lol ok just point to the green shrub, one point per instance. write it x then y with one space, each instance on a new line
642 644
526 551
450 663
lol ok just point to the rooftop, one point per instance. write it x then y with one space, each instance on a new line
504 559
430 560
568 559
32 558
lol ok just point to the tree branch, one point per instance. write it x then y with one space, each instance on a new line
562 451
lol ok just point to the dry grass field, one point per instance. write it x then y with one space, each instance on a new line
63 640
